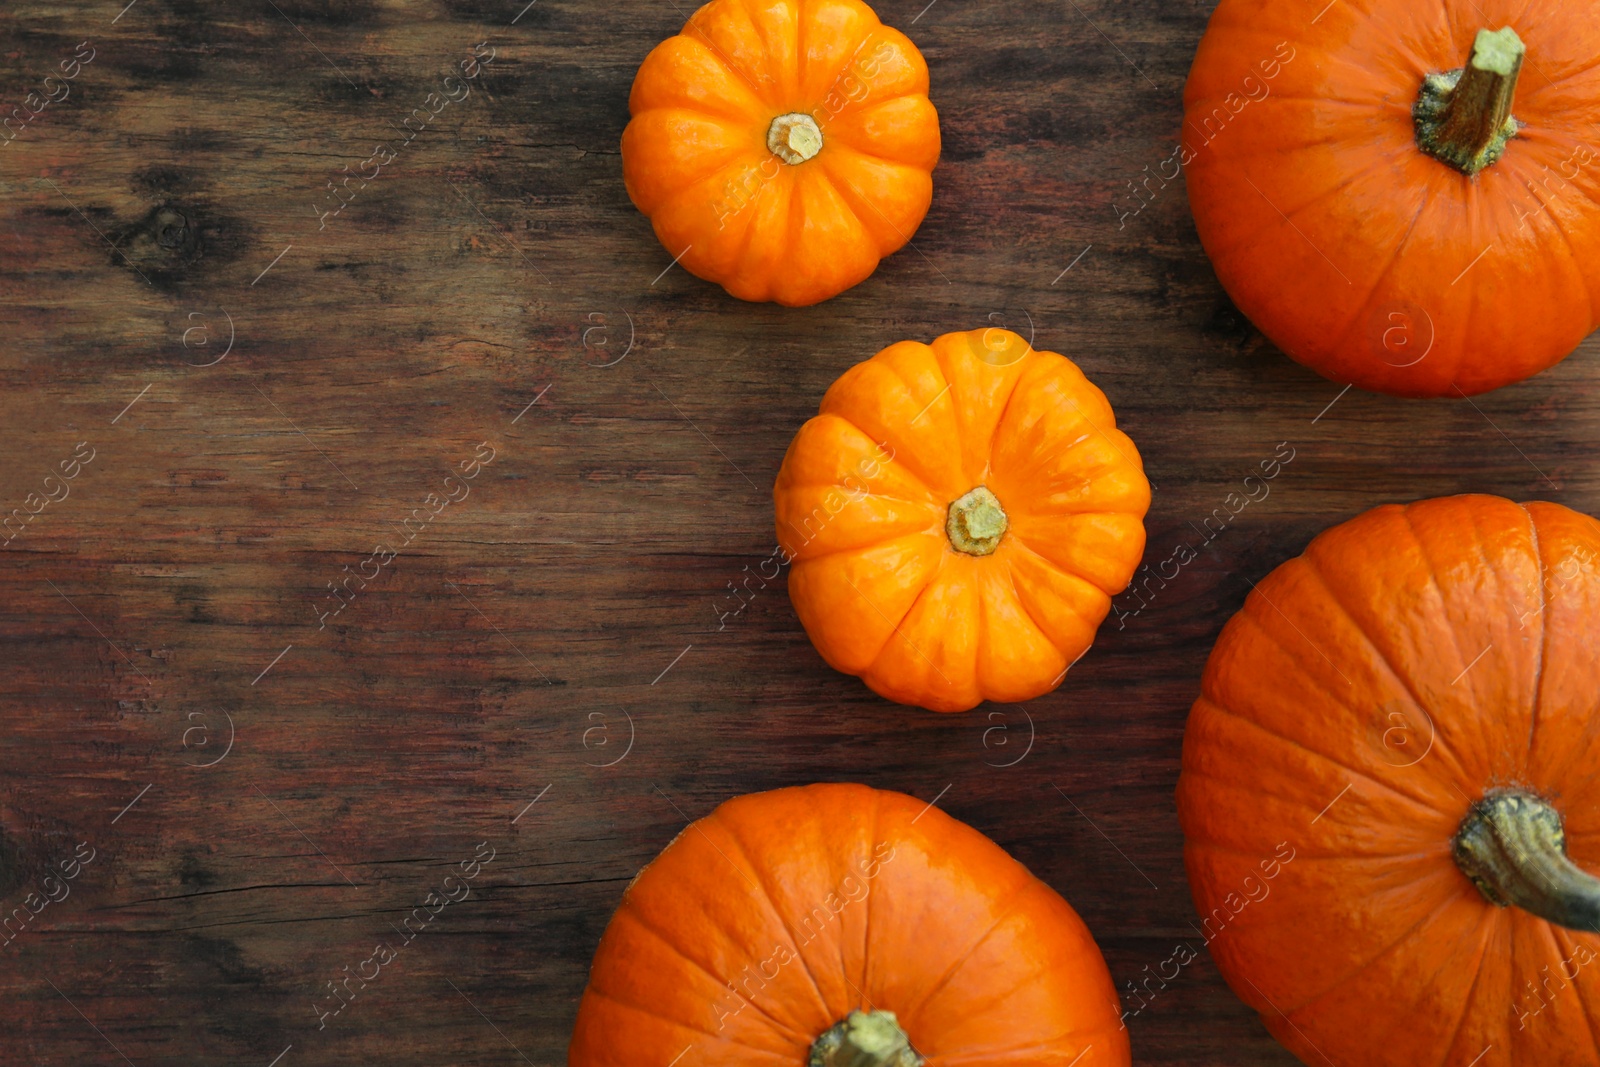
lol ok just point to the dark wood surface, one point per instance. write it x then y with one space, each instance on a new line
562 632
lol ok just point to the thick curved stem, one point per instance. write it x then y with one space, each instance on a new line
864 1039
1514 848
1463 117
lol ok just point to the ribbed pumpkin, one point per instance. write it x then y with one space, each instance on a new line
1410 712
842 926
1401 195
783 147
958 517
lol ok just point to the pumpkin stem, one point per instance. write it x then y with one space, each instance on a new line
795 137
976 522
864 1039
1463 117
1514 848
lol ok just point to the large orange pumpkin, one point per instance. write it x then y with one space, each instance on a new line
1391 790
1385 197
783 147
842 926
958 517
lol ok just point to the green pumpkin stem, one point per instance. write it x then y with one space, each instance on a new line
976 522
794 138
864 1039
1463 117
1514 849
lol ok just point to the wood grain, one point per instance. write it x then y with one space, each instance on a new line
484 288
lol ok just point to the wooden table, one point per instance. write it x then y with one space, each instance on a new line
268 390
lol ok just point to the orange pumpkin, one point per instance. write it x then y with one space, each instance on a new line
1391 790
1385 198
843 926
958 517
781 149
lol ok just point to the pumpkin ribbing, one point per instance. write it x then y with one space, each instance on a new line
1513 846
1355 249
838 925
782 149
958 517
1408 704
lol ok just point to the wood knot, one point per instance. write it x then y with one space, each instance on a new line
161 246
171 228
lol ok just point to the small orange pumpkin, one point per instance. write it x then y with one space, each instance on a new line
958 517
842 926
1404 196
781 149
1391 790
